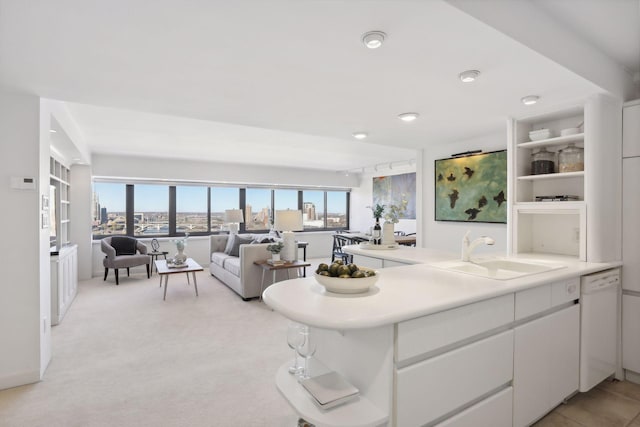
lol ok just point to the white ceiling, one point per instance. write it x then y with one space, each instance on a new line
278 82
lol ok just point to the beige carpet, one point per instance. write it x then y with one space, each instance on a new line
124 357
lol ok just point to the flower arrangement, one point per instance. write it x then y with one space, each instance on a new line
394 212
377 210
181 243
275 248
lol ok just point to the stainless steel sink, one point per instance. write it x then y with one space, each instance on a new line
498 268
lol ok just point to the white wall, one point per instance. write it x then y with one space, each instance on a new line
448 235
174 169
80 217
24 335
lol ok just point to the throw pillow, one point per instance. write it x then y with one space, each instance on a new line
229 246
124 245
237 241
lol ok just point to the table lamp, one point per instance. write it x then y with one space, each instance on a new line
233 218
287 222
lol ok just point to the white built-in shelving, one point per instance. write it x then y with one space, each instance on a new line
59 204
561 227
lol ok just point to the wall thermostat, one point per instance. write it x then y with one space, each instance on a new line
23 183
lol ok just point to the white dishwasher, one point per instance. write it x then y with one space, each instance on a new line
599 325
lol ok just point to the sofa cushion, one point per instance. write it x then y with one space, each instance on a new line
232 265
218 258
235 247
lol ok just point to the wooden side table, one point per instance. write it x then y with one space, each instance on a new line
273 268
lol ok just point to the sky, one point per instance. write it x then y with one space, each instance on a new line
155 198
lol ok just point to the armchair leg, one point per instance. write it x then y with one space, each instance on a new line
148 275
127 271
106 270
116 270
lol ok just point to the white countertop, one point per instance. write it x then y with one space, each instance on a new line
407 292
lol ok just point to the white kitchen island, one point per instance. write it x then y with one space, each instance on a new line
426 346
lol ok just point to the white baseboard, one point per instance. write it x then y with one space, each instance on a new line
631 376
19 379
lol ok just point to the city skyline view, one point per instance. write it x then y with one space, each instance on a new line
151 206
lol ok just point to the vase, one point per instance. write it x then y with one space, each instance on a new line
387 234
377 233
180 257
275 257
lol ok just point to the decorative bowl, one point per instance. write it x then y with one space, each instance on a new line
569 131
536 135
347 286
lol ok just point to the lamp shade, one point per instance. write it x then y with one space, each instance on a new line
233 215
288 221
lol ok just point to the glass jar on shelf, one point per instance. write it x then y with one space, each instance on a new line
542 162
571 159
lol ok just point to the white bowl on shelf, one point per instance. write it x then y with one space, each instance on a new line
569 131
347 286
537 135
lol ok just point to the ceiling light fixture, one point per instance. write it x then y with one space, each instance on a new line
360 135
530 99
469 76
408 117
373 39
53 131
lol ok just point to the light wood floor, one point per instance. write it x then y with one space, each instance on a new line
610 404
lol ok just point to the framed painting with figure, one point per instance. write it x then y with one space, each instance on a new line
472 188
393 189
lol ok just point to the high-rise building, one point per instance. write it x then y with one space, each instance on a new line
309 209
103 216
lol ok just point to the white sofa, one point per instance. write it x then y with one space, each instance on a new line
239 273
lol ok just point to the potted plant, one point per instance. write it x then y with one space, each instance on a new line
275 249
391 217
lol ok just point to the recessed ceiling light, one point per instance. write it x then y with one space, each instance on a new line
360 135
408 117
469 76
530 99
373 39
53 131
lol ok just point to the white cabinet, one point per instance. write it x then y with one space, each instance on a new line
631 224
64 282
432 388
546 362
631 129
631 333
589 228
494 411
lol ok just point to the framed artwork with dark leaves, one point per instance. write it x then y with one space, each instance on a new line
472 188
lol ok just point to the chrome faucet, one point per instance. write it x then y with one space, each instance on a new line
468 246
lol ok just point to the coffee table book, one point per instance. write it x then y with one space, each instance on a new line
330 390
279 262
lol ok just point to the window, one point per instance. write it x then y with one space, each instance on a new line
313 209
222 198
257 215
337 209
191 209
108 209
151 210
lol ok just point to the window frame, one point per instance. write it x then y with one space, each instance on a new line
130 203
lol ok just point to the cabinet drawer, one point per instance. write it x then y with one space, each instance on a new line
428 333
435 387
541 298
494 411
